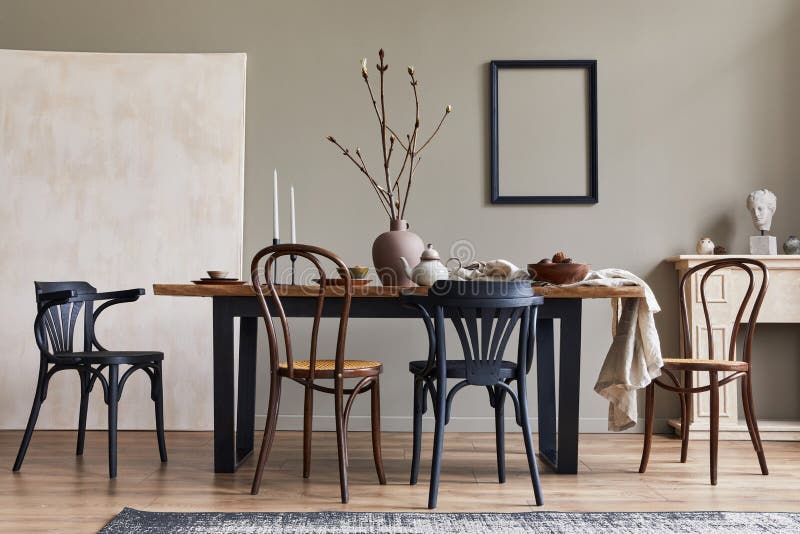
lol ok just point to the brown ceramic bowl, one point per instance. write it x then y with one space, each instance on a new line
558 273
217 274
357 272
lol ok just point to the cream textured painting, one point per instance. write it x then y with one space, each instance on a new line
121 170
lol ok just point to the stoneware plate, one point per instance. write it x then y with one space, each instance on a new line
340 281
219 281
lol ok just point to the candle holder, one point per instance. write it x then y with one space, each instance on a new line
293 257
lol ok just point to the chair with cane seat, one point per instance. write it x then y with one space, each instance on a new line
737 369
307 373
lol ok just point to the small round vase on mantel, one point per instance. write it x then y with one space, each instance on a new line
791 245
389 247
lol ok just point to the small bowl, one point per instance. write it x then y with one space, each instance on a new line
217 274
558 273
357 272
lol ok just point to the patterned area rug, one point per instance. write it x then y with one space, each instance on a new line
132 521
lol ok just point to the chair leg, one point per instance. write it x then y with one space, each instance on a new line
269 430
341 437
159 407
113 399
376 430
419 391
714 434
499 433
686 415
684 450
752 423
34 415
530 450
82 413
438 443
649 410
308 416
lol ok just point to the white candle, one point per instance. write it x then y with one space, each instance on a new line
294 228
275 232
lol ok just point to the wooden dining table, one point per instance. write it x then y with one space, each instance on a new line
234 425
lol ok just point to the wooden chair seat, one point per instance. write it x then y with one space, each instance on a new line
458 368
325 368
109 357
694 364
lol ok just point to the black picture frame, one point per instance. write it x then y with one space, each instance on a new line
590 65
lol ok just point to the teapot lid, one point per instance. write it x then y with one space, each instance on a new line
429 253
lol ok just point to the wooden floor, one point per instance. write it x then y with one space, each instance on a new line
57 491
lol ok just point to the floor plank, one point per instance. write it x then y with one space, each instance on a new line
57 491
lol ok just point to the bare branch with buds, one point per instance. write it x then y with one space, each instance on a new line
390 194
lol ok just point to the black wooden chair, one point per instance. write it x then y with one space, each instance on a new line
59 305
484 315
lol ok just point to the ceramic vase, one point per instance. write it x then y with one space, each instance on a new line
389 247
791 245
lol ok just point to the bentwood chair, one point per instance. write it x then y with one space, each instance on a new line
59 306
484 315
714 367
309 372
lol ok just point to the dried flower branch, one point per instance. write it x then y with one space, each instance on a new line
363 168
408 187
387 153
447 111
390 195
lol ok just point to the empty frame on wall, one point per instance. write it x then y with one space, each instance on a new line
544 131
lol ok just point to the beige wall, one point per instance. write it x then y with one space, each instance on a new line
697 106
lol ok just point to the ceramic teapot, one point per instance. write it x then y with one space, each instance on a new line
429 269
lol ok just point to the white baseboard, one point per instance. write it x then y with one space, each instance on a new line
588 425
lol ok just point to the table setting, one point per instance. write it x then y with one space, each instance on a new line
403 264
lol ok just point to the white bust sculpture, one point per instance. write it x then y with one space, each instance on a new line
762 204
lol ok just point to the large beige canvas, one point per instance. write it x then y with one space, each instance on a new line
118 169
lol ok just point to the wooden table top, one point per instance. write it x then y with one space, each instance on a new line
377 290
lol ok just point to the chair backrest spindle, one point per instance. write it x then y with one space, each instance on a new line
484 327
744 264
58 323
262 276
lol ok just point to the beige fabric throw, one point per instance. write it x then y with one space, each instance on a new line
634 358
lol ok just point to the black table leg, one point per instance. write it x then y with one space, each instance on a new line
569 382
546 390
246 410
224 410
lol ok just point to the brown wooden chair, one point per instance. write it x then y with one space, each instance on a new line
307 372
737 368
